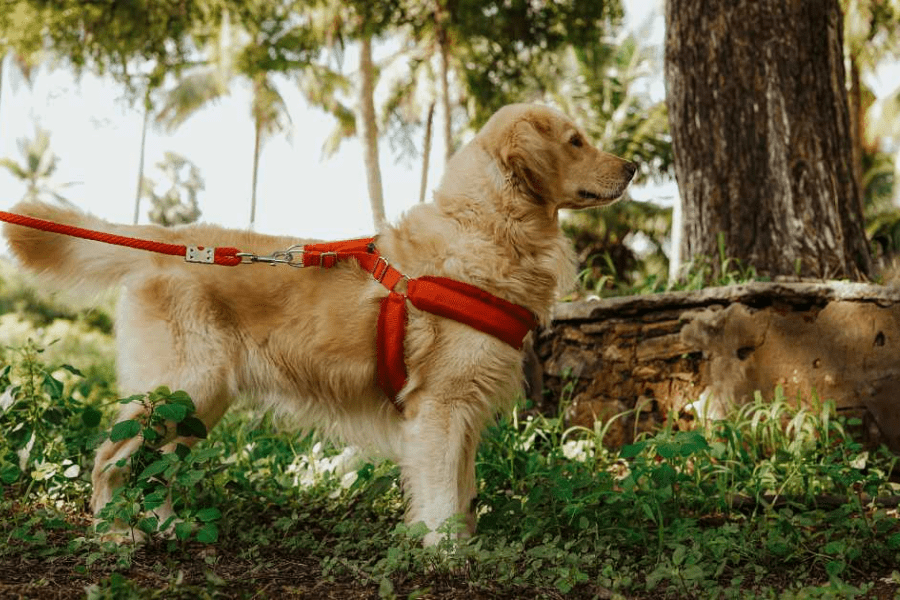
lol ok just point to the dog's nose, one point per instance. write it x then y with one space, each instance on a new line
631 169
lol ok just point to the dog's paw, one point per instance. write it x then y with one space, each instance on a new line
119 533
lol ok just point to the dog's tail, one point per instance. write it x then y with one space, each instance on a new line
74 261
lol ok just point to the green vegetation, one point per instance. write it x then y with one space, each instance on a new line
774 502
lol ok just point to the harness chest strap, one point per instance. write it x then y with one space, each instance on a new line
440 296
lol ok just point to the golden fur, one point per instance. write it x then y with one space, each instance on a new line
303 340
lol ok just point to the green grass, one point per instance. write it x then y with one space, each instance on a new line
774 502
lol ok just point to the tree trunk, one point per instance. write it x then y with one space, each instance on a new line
761 134
426 153
140 181
444 49
857 123
257 145
370 131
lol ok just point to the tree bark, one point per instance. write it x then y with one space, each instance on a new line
857 123
761 133
257 146
370 131
443 41
140 181
426 153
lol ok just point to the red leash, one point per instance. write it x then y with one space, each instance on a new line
438 295
219 256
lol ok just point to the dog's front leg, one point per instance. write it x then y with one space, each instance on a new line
438 464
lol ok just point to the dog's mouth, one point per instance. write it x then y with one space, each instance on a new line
606 197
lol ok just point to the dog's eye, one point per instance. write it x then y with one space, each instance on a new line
576 141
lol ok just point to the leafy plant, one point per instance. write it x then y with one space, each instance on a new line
154 475
48 425
735 508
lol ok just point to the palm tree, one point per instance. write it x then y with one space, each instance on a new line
178 204
140 180
335 22
37 169
213 80
370 130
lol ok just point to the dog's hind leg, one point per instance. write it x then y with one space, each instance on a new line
112 464
438 463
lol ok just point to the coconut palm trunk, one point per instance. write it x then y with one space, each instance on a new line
443 43
140 179
426 152
257 145
370 131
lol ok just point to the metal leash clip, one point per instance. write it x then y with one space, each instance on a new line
292 257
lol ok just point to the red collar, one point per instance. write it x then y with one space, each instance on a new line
438 295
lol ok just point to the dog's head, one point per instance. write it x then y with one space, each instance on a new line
548 158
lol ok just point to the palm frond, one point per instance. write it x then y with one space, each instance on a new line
189 95
269 110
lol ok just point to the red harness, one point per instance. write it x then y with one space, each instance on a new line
440 296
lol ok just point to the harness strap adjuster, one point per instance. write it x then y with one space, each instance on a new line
324 262
382 264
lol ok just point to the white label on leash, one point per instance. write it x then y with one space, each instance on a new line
199 254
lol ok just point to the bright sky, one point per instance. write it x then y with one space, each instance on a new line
96 135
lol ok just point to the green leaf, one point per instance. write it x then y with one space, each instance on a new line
664 475
192 427
183 530
667 450
124 430
160 392
182 451
835 567
692 573
53 386
385 588
155 499
10 473
150 434
181 398
208 534
148 524
171 412
154 468
72 370
632 450
209 514
191 477
91 416
679 554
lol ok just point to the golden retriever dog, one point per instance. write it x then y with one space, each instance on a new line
302 341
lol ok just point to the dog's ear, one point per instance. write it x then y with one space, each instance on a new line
529 155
